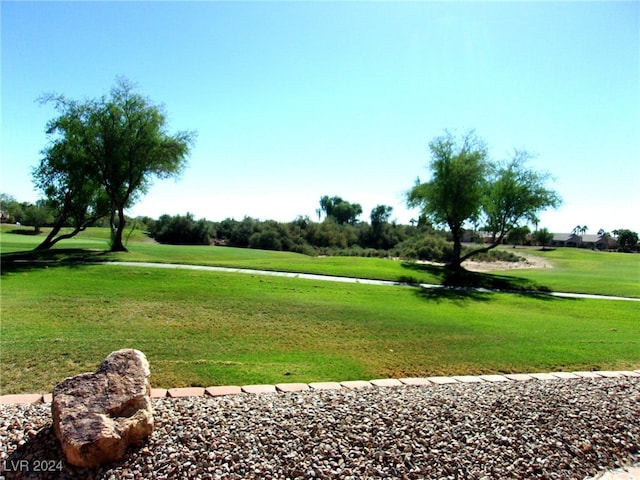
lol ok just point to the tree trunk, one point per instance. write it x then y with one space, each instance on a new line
455 263
116 241
48 242
493 245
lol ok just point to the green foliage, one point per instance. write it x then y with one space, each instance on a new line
380 215
543 237
182 230
518 235
37 216
572 269
12 210
425 247
242 232
312 238
454 193
627 239
269 237
103 155
331 234
497 256
465 188
340 210
515 195
382 234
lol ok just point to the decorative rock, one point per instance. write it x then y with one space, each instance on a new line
97 416
565 429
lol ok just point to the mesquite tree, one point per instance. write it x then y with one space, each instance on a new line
108 150
466 188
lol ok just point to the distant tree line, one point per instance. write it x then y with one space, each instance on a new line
336 234
303 235
379 237
103 154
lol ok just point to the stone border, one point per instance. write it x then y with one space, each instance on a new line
217 391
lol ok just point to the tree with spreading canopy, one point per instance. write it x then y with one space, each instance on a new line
466 188
382 232
454 194
518 235
67 178
340 210
103 155
627 239
37 215
380 215
544 237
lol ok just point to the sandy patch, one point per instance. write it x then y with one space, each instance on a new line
529 262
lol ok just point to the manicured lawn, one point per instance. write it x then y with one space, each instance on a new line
90 245
574 270
204 328
587 271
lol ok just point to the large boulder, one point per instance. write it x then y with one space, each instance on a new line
97 416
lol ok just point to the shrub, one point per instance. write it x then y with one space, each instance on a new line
266 240
182 230
426 247
497 256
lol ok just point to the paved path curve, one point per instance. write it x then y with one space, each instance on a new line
363 281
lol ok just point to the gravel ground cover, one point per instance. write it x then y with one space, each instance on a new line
557 429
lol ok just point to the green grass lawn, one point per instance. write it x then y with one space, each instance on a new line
574 270
207 328
586 271
90 245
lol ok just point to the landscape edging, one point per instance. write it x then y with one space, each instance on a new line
216 391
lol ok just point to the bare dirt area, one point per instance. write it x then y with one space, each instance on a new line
529 261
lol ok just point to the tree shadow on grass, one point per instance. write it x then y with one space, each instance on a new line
467 279
21 231
36 260
465 285
456 295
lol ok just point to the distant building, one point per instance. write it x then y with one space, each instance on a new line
470 236
594 242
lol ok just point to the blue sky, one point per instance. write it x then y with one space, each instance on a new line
295 100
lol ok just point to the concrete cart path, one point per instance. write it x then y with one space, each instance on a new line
363 281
